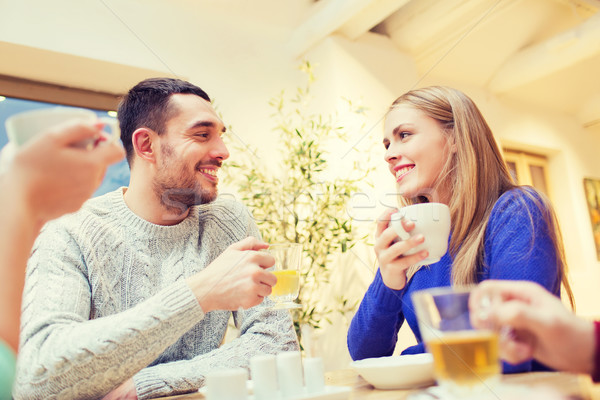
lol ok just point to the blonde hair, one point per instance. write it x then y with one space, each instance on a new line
477 176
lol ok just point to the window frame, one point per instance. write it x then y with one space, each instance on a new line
523 160
51 93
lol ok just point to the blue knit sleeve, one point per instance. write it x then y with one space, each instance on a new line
374 329
416 349
519 246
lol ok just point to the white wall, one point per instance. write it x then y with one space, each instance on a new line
242 72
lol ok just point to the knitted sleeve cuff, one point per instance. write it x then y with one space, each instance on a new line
596 371
148 385
180 297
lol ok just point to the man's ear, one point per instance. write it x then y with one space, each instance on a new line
144 142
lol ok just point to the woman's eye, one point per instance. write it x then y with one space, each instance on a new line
404 135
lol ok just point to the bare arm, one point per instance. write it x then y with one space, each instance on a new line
47 178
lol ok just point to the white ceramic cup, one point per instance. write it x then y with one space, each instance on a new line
264 377
23 126
229 384
432 220
289 373
314 376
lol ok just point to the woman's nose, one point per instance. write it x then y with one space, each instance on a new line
391 154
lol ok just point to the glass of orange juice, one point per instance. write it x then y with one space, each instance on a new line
287 270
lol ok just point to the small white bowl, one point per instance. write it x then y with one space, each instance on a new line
397 372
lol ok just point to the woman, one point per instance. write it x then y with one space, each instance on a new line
440 149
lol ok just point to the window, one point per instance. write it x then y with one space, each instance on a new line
528 169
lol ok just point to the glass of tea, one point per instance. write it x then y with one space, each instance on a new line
466 360
288 257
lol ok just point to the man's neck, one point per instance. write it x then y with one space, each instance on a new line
142 201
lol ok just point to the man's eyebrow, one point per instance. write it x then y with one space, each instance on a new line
206 124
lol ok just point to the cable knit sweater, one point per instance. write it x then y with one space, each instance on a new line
105 299
517 247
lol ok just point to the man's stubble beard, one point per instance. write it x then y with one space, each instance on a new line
177 189
178 198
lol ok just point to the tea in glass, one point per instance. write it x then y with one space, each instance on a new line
288 257
287 287
466 360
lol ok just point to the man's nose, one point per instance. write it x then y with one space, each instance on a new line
220 150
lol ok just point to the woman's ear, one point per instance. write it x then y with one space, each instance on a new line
143 140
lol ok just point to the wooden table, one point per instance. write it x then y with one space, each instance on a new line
571 386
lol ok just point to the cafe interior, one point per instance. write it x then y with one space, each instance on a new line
530 65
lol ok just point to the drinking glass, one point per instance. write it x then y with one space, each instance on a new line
466 360
287 270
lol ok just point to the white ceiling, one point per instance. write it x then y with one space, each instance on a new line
543 52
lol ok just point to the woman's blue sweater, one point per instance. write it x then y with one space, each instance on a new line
517 247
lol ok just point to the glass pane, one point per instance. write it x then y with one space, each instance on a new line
116 176
538 178
512 168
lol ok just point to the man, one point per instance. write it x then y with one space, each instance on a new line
134 291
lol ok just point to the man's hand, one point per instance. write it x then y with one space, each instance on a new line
237 278
533 324
126 391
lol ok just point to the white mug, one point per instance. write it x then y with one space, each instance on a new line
432 220
23 126
227 384
264 377
289 373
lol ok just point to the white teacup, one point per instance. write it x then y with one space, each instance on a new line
21 127
227 384
432 220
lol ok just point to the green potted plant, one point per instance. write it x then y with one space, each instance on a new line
296 202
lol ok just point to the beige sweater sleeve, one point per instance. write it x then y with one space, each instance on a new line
63 354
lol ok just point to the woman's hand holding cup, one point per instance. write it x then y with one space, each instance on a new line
391 252
411 236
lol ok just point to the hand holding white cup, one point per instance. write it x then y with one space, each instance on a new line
432 220
23 126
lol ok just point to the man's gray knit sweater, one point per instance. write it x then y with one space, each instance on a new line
105 299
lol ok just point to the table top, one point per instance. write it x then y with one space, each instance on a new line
570 386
